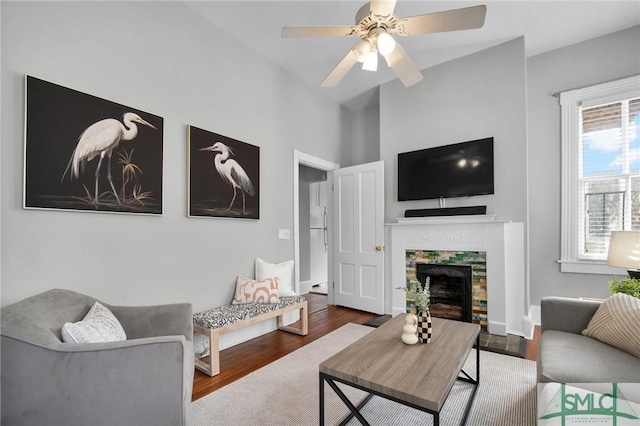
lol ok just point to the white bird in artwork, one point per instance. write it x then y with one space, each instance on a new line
100 139
231 172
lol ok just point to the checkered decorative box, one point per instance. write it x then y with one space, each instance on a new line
424 327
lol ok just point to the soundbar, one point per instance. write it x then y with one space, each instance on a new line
447 211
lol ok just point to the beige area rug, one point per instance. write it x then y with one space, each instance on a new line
285 392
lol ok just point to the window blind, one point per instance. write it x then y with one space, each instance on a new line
609 174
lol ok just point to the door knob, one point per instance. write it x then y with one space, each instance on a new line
379 248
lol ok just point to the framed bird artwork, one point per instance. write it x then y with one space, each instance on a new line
90 154
224 176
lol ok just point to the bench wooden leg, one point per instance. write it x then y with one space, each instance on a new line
212 368
304 322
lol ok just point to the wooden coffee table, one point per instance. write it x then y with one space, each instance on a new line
419 376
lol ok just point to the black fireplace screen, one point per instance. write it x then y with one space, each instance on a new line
450 287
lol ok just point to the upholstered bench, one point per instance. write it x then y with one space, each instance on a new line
214 322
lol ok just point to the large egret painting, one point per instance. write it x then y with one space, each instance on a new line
87 153
224 176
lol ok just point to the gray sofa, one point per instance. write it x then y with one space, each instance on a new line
566 356
144 380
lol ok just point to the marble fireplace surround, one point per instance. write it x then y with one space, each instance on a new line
503 243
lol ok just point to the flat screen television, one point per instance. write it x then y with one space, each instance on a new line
458 170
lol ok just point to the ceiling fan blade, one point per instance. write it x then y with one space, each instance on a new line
318 31
342 68
400 62
467 18
382 7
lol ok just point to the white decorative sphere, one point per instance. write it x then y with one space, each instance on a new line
411 319
410 338
410 329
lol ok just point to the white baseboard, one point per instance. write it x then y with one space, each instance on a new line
241 335
498 328
306 286
530 321
247 333
397 311
534 314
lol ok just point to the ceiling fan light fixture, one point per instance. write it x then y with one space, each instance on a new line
362 50
386 44
371 61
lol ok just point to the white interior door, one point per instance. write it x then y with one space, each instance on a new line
358 206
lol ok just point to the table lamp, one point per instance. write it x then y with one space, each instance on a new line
624 251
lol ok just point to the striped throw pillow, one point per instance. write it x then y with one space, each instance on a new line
617 323
252 291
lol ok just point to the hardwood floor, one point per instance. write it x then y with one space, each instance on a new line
532 345
240 360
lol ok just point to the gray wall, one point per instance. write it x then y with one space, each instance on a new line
596 61
161 58
477 96
498 93
365 140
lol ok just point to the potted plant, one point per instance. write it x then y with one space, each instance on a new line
419 296
626 285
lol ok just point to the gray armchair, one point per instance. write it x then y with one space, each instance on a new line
566 356
145 380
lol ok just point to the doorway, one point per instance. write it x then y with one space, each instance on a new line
312 183
355 219
314 242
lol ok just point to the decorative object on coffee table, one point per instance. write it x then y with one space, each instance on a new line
424 327
419 297
410 330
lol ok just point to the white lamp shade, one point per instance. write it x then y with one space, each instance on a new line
624 250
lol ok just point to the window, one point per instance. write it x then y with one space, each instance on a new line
600 170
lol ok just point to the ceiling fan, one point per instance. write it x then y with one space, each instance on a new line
375 25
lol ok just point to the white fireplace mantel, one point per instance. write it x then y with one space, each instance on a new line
503 243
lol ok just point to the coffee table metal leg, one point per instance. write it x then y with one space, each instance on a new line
321 395
478 360
342 396
475 382
359 407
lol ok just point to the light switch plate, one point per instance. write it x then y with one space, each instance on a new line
284 234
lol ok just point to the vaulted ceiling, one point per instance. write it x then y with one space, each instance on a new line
545 25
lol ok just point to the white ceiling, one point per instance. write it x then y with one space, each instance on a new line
546 25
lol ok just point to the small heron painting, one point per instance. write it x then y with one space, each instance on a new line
88 153
223 176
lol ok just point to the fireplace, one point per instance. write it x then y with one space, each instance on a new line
494 249
450 287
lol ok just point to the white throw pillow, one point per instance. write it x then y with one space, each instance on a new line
99 325
284 272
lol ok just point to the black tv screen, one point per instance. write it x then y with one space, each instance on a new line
457 170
